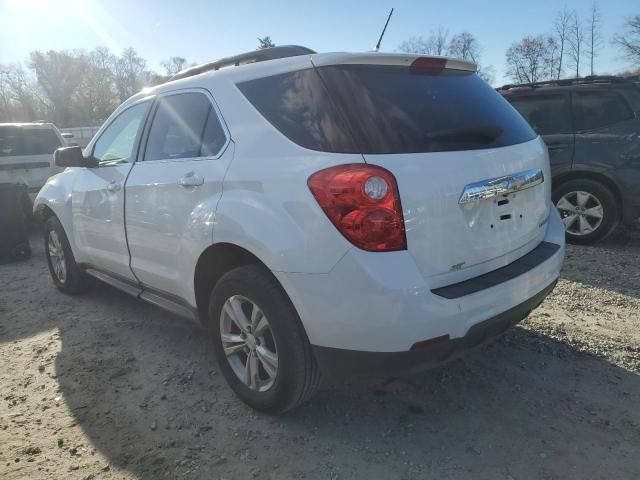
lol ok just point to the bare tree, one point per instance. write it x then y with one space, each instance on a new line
439 41
487 73
128 73
173 65
629 40
526 59
59 75
550 57
435 44
72 87
415 45
19 99
594 35
96 92
265 42
465 46
575 41
561 28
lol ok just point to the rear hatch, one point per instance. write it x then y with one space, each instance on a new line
439 128
26 154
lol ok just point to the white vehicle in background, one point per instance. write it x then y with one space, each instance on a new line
79 135
26 153
318 213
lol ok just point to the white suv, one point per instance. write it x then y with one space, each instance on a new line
318 213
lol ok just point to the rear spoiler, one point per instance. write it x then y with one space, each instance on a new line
420 62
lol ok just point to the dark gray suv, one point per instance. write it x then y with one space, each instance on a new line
592 129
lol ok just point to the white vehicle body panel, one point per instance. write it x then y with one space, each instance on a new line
98 217
29 170
163 216
445 237
267 207
381 302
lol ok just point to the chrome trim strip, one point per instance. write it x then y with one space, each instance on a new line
494 187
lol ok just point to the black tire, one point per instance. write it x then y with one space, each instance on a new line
75 280
297 375
606 198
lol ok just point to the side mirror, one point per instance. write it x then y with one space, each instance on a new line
71 157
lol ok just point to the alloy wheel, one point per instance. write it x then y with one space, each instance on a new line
581 212
56 256
248 343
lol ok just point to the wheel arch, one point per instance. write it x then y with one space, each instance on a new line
43 212
212 264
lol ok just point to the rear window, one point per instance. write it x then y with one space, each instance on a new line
18 141
385 110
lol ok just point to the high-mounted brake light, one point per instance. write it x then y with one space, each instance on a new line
428 65
362 201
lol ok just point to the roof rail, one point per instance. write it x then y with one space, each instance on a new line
590 80
262 55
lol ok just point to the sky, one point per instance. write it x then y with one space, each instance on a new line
205 30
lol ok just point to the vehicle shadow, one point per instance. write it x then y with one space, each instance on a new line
143 386
610 264
146 391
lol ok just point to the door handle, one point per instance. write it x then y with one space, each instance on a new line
114 186
191 180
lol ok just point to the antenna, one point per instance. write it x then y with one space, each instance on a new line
383 30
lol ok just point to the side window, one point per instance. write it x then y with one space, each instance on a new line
185 125
547 114
598 109
214 137
117 143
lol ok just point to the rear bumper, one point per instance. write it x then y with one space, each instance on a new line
381 302
338 363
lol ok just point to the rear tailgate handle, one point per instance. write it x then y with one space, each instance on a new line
495 187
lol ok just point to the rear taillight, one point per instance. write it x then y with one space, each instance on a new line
362 201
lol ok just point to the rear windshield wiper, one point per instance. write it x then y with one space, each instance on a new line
475 135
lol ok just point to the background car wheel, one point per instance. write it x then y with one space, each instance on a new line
65 272
259 341
588 209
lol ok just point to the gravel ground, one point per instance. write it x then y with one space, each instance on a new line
104 386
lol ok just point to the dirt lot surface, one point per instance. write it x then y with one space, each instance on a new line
104 386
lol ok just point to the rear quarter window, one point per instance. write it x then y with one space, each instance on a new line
299 106
598 109
385 110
